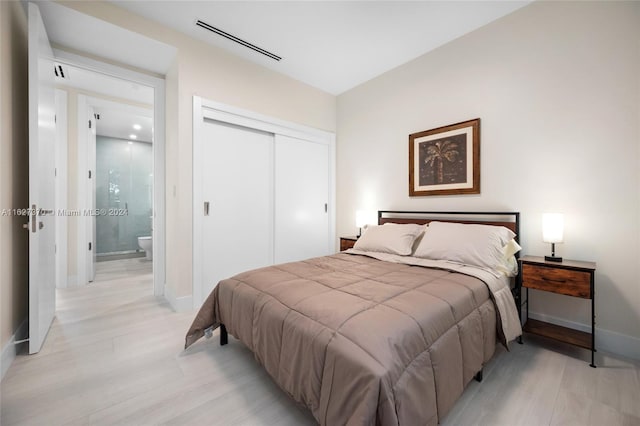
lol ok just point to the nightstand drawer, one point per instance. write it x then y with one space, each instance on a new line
563 281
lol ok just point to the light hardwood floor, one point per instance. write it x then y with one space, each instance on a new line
114 357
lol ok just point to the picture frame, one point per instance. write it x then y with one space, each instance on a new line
445 160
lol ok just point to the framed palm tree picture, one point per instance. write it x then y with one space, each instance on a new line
445 160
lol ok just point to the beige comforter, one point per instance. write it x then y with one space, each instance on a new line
359 340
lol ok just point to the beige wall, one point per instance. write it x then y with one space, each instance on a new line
212 73
13 168
557 88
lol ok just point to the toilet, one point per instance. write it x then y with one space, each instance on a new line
146 244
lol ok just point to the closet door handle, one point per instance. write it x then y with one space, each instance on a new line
206 208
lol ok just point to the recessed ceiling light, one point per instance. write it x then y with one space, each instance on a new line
130 143
137 126
132 136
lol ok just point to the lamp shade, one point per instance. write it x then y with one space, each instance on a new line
361 218
552 227
365 217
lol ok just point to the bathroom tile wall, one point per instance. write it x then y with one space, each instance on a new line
123 194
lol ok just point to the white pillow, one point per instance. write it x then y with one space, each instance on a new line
509 264
479 245
394 238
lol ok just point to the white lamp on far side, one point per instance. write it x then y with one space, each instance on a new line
361 221
364 218
552 232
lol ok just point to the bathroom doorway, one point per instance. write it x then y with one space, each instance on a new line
123 185
119 183
122 192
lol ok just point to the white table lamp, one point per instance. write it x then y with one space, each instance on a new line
552 232
361 221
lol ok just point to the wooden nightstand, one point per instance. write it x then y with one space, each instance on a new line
569 277
347 242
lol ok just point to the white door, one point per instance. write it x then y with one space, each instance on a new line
301 199
237 182
91 195
41 226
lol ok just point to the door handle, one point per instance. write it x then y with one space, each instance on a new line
34 213
206 208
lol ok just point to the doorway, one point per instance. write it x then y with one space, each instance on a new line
121 190
113 108
119 182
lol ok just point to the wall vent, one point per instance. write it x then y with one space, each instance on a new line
59 71
235 39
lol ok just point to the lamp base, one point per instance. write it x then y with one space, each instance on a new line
553 258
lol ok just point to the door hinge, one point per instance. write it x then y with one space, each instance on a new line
55 248
55 118
89 123
55 171
326 207
89 245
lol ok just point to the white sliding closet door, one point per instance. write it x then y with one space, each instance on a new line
270 189
301 199
238 187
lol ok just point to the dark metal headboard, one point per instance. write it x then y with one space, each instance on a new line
510 220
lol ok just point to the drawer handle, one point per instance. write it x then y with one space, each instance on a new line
554 281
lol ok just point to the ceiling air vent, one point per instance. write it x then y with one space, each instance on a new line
237 40
59 71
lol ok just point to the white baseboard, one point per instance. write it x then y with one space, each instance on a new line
606 340
9 350
178 304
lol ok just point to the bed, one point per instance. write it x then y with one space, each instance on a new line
389 332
